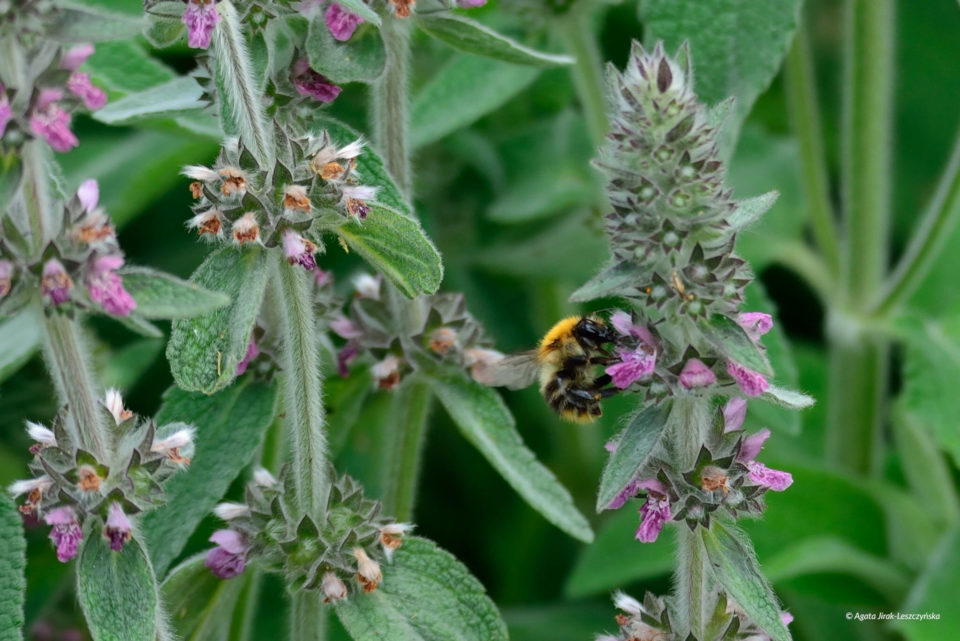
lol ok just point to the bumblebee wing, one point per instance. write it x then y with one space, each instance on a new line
513 372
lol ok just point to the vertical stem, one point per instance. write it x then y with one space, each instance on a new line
390 103
577 30
302 384
69 364
410 410
308 617
35 188
858 362
694 592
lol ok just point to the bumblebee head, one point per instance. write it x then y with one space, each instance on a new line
592 331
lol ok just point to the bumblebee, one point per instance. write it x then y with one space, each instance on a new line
564 365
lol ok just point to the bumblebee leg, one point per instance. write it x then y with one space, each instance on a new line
602 381
607 392
602 360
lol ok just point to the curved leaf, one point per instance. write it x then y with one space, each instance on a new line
472 37
734 343
360 59
76 23
634 447
117 591
201 606
160 295
165 100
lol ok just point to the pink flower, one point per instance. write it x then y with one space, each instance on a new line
299 250
696 374
751 383
310 83
341 23
346 356
52 123
252 352
757 472
653 514
634 486
734 411
200 17
6 111
755 324
79 85
55 283
623 323
345 328
634 365
65 533
89 195
117 528
76 56
321 277
229 558
106 286
6 277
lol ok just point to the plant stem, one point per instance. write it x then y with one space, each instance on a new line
929 239
858 362
410 410
69 363
694 591
302 384
805 116
577 30
308 617
390 103
35 188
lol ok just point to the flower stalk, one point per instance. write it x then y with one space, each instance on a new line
390 108
410 409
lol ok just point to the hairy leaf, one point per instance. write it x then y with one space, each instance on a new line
485 421
472 37
13 584
397 247
20 338
635 445
204 351
76 23
359 59
426 595
161 295
169 99
201 606
734 343
230 427
117 591
608 282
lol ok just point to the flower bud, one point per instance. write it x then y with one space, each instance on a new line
298 250
106 287
87 478
234 182
172 445
295 199
340 22
229 511
6 277
55 283
246 229
391 537
696 374
734 413
43 437
207 222
117 529
368 570
229 558
332 587
386 373
751 383
312 84
442 339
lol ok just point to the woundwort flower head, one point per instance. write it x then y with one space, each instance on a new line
171 446
734 413
299 250
755 324
332 587
391 537
229 558
80 86
117 528
228 511
76 56
200 17
252 352
208 222
633 365
623 323
55 283
341 23
759 473
246 229
310 83
113 401
751 383
89 194
87 478
6 277
106 287
651 485
695 373
368 570
234 181
325 163
386 373
65 532
295 199
442 339
52 123
355 198
653 514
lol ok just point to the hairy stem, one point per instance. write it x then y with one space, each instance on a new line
858 362
69 363
805 116
308 617
410 411
587 73
35 188
390 103
694 591
302 383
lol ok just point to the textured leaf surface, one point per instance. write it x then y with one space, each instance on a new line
117 591
397 247
732 341
737 45
735 567
463 91
472 37
230 426
485 421
161 101
608 282
20 337
634 447
359 59
426 595
204 351
13 585
75 23
161 295
200 605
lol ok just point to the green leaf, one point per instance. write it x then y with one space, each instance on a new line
485 421
117 591
733 342
735 567
169 99
472 37
230 427
11 169
426 595
159 295
201 606
122 368
20 338
737 46
359 59
75 23
788 399
397 247
634 446
204 351
463 91
749 210
13 560
611 280
935 591
126 67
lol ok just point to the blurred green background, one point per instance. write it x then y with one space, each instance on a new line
511 201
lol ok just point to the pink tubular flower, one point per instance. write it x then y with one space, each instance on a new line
623 323
346 356
252 352
759 473
6 111
65 532
229 558
299 250
52 123
76 56
340 22
79 85
751 383
634 486
734 412
89 194
345 328
755 324
117 529
106 287
634 365
653 514
200 17
695 373
55 284
310 83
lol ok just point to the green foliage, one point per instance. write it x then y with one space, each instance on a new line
472 37
933 592
426 595
13 585
160 295
86 24
360 59
201 606
165 100
635 445
21 336
733 342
